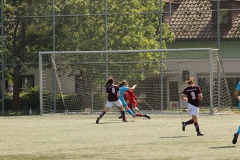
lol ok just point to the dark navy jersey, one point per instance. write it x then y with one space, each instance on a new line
192 93
112 91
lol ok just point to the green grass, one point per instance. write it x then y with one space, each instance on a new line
58 137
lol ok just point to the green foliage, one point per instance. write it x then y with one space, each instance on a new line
30 99
7 101
99 101
131 25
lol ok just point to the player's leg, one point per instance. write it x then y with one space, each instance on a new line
195 113
136 111
129 106
108 106
126 108
195 119
123 114
235 136
142 115
122 110
129 111
146 116
189 121
118 107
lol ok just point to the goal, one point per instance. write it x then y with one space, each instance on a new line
74 81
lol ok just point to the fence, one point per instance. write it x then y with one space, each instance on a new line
30 27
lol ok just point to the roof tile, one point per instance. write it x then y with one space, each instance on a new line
193 19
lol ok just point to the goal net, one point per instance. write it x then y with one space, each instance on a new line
74 81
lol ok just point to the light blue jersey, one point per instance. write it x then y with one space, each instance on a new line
238 86
121 96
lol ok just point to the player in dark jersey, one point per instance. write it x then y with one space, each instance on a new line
112 93
192 94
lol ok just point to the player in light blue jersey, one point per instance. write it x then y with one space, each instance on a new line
123 86
234 141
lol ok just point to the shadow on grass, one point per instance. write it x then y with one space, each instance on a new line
175 137
110 122
18 113
222 147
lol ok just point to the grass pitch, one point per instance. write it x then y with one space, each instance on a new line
59 137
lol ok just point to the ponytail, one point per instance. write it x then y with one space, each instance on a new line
110 81
190 81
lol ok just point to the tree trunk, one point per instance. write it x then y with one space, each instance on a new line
16 81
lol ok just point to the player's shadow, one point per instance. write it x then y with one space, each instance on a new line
110 122
174 137
219 147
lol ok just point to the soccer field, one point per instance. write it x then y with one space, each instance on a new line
58 137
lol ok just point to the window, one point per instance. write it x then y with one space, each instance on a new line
27 81
225 15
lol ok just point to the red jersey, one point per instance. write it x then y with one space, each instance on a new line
112 91
130 96
192 93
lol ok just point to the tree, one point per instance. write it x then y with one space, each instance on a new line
24 37
131 25
79 25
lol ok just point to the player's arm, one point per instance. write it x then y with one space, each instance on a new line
133 87
118 93
236 94
183 97
200 96
237 91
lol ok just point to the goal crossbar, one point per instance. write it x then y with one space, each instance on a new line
128 51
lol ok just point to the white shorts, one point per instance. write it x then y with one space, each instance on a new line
193 110
117 103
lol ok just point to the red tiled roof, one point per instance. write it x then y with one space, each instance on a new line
193 20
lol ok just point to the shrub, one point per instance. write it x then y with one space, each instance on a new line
30 99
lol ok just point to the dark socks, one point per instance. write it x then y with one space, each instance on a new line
189 122
123 115
197 127
102 114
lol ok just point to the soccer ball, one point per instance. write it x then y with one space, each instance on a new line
135 110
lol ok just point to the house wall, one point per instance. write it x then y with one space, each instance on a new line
231 66
229 49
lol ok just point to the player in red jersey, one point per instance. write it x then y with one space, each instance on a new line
131 98
112 93
192 94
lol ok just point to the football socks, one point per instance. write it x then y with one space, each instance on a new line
238 130
130 112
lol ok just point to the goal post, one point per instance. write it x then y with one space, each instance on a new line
73 81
